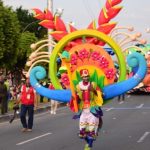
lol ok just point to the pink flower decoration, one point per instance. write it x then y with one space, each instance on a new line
95 56
83 54
110 73
74 59
65 79
103 62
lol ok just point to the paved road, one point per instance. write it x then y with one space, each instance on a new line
126 127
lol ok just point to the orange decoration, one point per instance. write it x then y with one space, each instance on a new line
89 62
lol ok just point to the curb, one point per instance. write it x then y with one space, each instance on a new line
41 109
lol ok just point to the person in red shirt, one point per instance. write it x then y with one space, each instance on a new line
28 101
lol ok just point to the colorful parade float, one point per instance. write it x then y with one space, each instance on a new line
144 86
89 51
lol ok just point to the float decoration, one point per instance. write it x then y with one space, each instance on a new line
83 49
56 23
87 70
144 85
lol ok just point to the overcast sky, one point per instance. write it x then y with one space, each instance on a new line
134 13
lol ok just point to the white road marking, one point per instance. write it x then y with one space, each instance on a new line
143 137
128 96
108 109
121 102
140 106
38 137
127 108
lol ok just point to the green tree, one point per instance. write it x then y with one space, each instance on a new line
2 48
26 39
9 36
18 30
29 23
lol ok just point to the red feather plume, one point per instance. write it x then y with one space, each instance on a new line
59 24
47 24
48 15
58 35
113 11
103 17
106 28
38 14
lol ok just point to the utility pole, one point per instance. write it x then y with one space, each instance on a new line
58 12
50 7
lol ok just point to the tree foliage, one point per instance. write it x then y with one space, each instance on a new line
2 48
26 39
9 36
18 30
29 23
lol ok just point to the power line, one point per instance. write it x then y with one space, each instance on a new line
88 9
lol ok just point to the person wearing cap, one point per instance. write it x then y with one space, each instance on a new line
89 112
28 102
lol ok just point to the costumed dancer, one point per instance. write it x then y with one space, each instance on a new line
90 112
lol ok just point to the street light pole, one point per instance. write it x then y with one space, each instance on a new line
58 12
50 7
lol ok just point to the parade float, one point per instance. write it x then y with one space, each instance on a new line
131 42
144 86
75 50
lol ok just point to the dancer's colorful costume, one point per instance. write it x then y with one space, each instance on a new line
89 99
83 55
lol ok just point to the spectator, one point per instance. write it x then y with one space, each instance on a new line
121 98
45 84
40 96
8 88
28 101
3 96
6 82
53 102
14 92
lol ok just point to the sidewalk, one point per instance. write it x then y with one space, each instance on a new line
42 107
